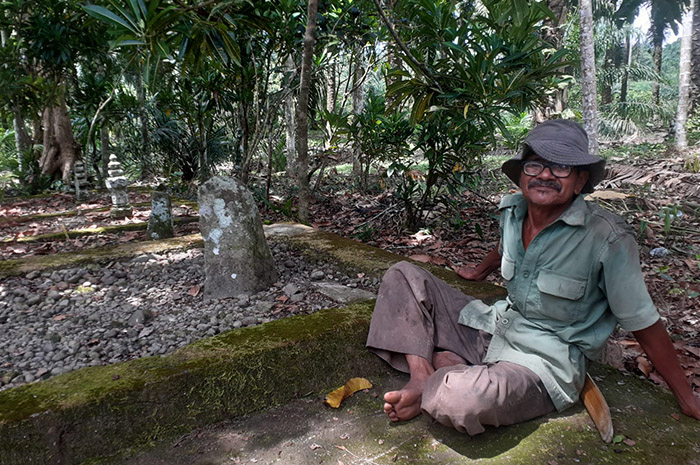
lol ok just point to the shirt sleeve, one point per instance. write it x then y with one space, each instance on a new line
623 284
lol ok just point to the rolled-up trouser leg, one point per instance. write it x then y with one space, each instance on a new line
416 313
469 397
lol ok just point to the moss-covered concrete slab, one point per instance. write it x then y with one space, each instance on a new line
305 431
73 233
99 411
69 259
357 256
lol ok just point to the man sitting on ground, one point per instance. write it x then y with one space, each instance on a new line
572 273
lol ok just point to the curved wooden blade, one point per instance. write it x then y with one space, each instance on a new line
597 408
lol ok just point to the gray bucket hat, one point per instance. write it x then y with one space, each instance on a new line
559 141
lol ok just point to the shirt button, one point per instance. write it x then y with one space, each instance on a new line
504 321
526 274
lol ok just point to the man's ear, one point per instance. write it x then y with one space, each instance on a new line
583 176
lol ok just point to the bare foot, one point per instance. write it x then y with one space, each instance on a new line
405 404
447 359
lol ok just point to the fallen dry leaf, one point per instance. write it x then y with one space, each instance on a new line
644 366
629 442
675 416
194 291
353 385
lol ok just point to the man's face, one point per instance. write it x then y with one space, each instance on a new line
547 190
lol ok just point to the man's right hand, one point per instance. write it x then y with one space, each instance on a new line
470 273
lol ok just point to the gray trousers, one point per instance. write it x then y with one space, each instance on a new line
416 314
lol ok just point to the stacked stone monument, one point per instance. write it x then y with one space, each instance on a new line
160 221
80 180
116 182
237 258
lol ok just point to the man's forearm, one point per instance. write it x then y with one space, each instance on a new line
658 346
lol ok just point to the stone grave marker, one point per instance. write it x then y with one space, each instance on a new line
160 221
237 258
80 180
116 183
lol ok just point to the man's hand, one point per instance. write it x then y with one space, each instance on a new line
478 273
470 273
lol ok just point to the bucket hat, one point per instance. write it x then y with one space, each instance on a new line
560 141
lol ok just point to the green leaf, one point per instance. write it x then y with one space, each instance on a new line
618 439
107 16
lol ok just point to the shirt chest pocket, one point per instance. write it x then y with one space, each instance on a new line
559 296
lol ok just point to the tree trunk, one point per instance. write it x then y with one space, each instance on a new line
625 73
289 121
302 114
358 104
331 96
146 165
588 76
23 142
553 32
393 57
681 141
695 61
657 39
60 149
105 150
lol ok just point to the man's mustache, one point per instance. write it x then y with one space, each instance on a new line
543 183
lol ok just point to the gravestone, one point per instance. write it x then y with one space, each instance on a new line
160 221
237 258
116 183
80 180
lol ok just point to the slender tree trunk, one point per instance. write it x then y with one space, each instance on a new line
331 96
393 58
289 121
146 165
625 73
606 95
23 142
588 75
681 141
60 149
105 150
358 104
695 61
302 114
657 39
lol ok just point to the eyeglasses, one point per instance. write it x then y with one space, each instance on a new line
533 168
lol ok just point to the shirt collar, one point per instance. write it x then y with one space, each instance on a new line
575 215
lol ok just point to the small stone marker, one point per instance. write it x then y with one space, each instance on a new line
79 178
237 258
116 183
160 221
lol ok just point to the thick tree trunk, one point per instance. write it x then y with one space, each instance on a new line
358 104
289 121
588 75
681 141
695 61
302 114
60 149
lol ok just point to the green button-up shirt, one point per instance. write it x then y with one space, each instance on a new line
577 280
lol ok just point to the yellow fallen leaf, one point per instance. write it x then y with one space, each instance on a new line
353 385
